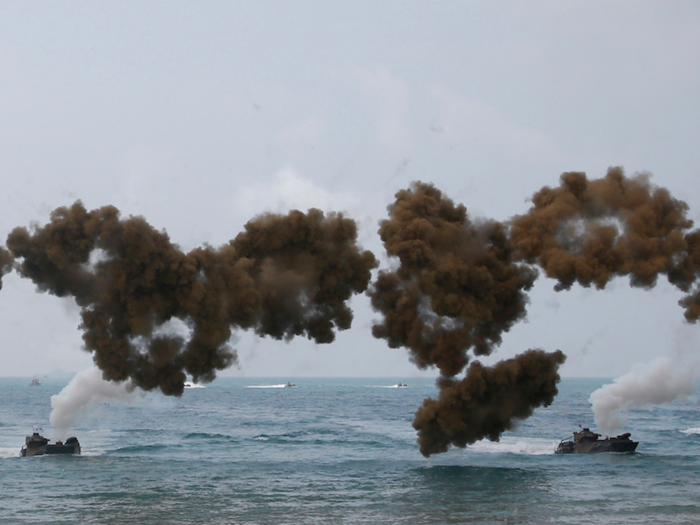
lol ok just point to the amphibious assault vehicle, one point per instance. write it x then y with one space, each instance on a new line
587 442
38 445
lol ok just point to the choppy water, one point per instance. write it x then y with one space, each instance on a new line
336 451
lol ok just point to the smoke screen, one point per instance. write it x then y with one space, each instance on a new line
455 286
284 276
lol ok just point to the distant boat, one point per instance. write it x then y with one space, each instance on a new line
34 382
401 385
191 384
289 385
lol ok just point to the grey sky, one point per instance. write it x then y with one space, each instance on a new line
200 115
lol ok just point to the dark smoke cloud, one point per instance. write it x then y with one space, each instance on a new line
588 232
685 273
457 286
305 266
283 276
488 401
6 260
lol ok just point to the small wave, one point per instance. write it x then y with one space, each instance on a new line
140 448
690 431
524 447
320 439
137 431
92 452
9 452
204 435
280 438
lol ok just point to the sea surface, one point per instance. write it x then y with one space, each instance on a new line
336 451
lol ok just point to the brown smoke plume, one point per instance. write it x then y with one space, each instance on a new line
588 232
6 260
585 232
284 276
488 401
457 286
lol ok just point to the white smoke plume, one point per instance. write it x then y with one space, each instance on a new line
85 388
661 381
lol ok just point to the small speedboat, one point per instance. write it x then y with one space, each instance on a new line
35 382
289 385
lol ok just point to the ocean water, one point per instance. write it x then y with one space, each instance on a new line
336 451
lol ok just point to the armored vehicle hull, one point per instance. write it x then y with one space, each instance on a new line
38 445
587 442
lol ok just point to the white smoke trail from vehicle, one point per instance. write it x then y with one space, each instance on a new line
85 388
661 381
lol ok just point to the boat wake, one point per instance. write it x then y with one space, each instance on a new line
527 447
9 453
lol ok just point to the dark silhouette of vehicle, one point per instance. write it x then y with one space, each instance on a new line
38 445
587 442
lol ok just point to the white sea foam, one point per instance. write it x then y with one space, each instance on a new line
92 452
9 452
283 385
527 447
690 431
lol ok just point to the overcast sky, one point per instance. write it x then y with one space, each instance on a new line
200 115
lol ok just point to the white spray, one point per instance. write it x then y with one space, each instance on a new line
85 388
661 381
